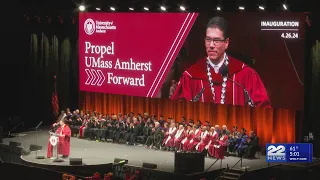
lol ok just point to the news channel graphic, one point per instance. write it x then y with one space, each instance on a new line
286 153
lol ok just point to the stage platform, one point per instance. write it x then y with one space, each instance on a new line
98 153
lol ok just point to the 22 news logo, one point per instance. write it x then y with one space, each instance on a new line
276 153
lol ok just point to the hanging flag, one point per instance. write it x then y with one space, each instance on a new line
55 102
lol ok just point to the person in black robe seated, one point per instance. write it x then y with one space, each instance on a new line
150 138
147 123
119 130
135 130
87 130
161 120
146 131
108 126
123 134
68 113
155 138
103 130
112 127
94 129
128 132
76 123
159 136
253 145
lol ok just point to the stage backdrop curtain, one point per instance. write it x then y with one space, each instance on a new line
271 125
53 50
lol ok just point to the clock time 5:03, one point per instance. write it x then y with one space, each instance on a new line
290 35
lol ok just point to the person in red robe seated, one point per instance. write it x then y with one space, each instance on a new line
168 142
205 73
220 146
205 138
213 138
84 126
178 137
188 137
195 139
64 140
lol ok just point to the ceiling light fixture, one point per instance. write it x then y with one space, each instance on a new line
82 8
182 8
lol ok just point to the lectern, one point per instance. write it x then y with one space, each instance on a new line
54 141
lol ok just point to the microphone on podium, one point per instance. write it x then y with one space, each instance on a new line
224 70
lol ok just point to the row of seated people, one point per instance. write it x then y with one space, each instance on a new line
210 140
158 134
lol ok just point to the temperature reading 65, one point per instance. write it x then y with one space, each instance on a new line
290 35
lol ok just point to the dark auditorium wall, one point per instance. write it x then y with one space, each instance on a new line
52 49
12 54
312 95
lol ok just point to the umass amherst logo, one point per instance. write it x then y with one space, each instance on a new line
89 26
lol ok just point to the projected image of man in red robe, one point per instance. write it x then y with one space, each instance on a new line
205 74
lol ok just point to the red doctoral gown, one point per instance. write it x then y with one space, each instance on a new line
178 137
213 139
185 142
169 140
195 78
205 138
195 140
64 142
220 147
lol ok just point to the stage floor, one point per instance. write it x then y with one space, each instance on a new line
94 153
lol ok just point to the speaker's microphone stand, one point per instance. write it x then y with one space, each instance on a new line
9 132
37 148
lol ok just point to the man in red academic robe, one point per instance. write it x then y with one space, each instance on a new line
195 139
205 138
82 128
205 74
220 146
178 137
64 140
188 136
168 142
213 139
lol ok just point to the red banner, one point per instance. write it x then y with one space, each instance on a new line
129 53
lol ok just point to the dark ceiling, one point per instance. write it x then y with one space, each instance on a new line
58 6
